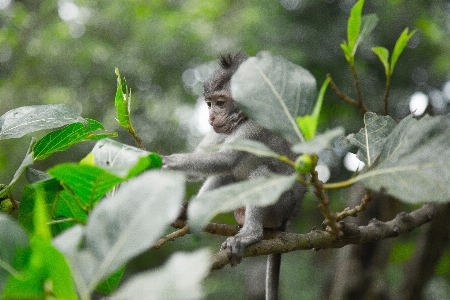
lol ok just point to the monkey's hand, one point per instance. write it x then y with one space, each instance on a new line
235 245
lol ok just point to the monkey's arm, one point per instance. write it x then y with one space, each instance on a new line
204 163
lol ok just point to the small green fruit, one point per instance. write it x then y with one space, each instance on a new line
304 164
6 206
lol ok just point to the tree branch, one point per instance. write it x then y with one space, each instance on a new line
282 242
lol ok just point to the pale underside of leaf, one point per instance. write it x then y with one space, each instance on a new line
414 164
273 92
20 121
257 192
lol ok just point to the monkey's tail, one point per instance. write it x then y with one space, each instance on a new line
273 276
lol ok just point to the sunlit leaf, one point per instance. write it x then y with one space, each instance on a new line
123 160
400 45
136 215
371 138
72 134
179 278
273 92
383 55
354 24
86 183
123 102
20 121
308 124
258 192
414 164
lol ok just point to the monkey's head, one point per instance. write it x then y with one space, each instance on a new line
224 114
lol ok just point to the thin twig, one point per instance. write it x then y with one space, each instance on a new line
356 85
171 237
344 96
353 212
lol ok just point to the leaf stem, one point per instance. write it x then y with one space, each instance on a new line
386 94
330 222
353 212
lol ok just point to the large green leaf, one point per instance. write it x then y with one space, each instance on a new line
86 184
371 138
20 121
273 92
180 278
46 271
121 227
261 191
414 164
62 139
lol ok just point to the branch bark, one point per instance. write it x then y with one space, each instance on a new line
282 242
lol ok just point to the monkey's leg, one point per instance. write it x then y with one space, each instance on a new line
250 233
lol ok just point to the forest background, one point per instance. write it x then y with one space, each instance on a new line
66 51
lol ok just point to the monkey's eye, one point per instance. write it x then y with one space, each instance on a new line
208 103
220 102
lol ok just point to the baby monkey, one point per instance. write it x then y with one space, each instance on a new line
227 166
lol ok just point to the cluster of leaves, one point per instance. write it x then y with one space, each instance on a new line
93 237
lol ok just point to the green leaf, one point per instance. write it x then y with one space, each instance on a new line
368 24
400 45
414 164
50 191
121 227
261 191
40 219
72 134
273 92
46 271
251 146
123 102
86 184
123 160
20 121
371 138
111 283
13 242
308 124
318 143
180 277
347 52
383 55
354 25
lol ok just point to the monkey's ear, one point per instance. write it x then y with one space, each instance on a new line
228 61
